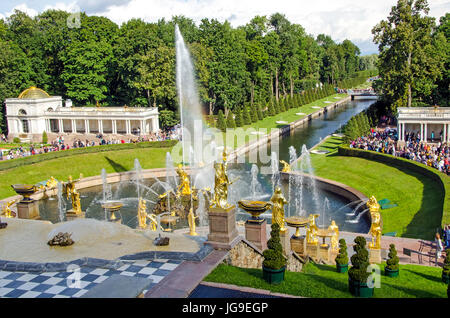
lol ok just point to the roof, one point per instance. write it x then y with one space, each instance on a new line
33 93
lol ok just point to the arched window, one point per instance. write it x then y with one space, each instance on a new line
50 109
25 126
22 112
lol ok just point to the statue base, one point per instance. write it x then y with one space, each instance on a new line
72 214
285 242
374 255
28 209
324 252
222 227
312 250
256 233
298 244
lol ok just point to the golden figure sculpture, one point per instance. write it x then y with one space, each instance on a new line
375 228
311 232
278 202
153 222
72 193
6 210
142 214
191 220
335 237
51 183
286 166
221 184
185 186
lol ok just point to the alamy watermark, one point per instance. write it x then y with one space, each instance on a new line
74 19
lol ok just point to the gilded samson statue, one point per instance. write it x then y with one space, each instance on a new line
375 228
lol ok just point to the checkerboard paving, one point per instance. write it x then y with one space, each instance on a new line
78 280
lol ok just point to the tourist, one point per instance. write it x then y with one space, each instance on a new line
439 247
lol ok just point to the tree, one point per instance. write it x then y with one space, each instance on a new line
392 262
230 121
408 61
342 257
254 113
239 120
221 124
246 116
44 137
259 112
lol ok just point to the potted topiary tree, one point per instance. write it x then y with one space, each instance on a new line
274 264
446 268
357 274
342 258
392 267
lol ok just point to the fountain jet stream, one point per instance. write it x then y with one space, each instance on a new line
61 203
356 220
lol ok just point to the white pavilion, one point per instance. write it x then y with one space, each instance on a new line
428 121
35 111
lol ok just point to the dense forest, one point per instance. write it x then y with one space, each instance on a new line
134 64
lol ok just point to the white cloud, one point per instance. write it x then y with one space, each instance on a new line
24 8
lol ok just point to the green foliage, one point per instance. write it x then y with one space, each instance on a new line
239 120
342 257
259 112
44 137
16 140
168 118
273 255
392 262
254 114
446 266
360 261
230 121
246 116
271 110
221 124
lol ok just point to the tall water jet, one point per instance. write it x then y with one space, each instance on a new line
137 177
201 210
170 172
254 183
292 179
307 167
107 193
326 208
61 203
275 170
190 107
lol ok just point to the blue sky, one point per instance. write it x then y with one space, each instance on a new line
341 19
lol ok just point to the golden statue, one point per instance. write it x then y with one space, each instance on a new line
278 202
286 166
51 183
72 193
142 213
221 184
153 221
191 220
333 228
6 210
311 232
375 228
185 186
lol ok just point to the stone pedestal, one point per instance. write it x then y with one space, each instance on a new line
71 214
256 232
374 255
298 244
222 227
324 252
28 209
285 242
312 250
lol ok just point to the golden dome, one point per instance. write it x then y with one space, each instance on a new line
33 93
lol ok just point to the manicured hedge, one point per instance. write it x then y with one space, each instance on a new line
14 163
442 179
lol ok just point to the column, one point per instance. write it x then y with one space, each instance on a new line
403 131
444 136
128 125
142 127
425 133
100 126
114 127
61 126
86 126
421 131
74 126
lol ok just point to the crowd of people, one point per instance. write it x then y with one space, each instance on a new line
59 143
436 155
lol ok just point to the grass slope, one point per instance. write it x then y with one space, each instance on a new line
418 213
87 164
322 281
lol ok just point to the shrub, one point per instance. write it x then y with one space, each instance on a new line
16 140
44 137
392 262
271 110
253 113
238 120
360 261
246 116
230 120
273 255
446 267
342 257
259 112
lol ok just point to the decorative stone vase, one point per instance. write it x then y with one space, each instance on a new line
391 273
273 276
341 268
359 289
445 278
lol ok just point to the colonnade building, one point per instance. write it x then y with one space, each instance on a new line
35 111
433 123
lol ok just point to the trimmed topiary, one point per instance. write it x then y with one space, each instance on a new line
274 264
392 262
342 258
44 137
358 274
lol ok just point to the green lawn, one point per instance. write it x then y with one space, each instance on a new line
419 209
322 281
87 164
